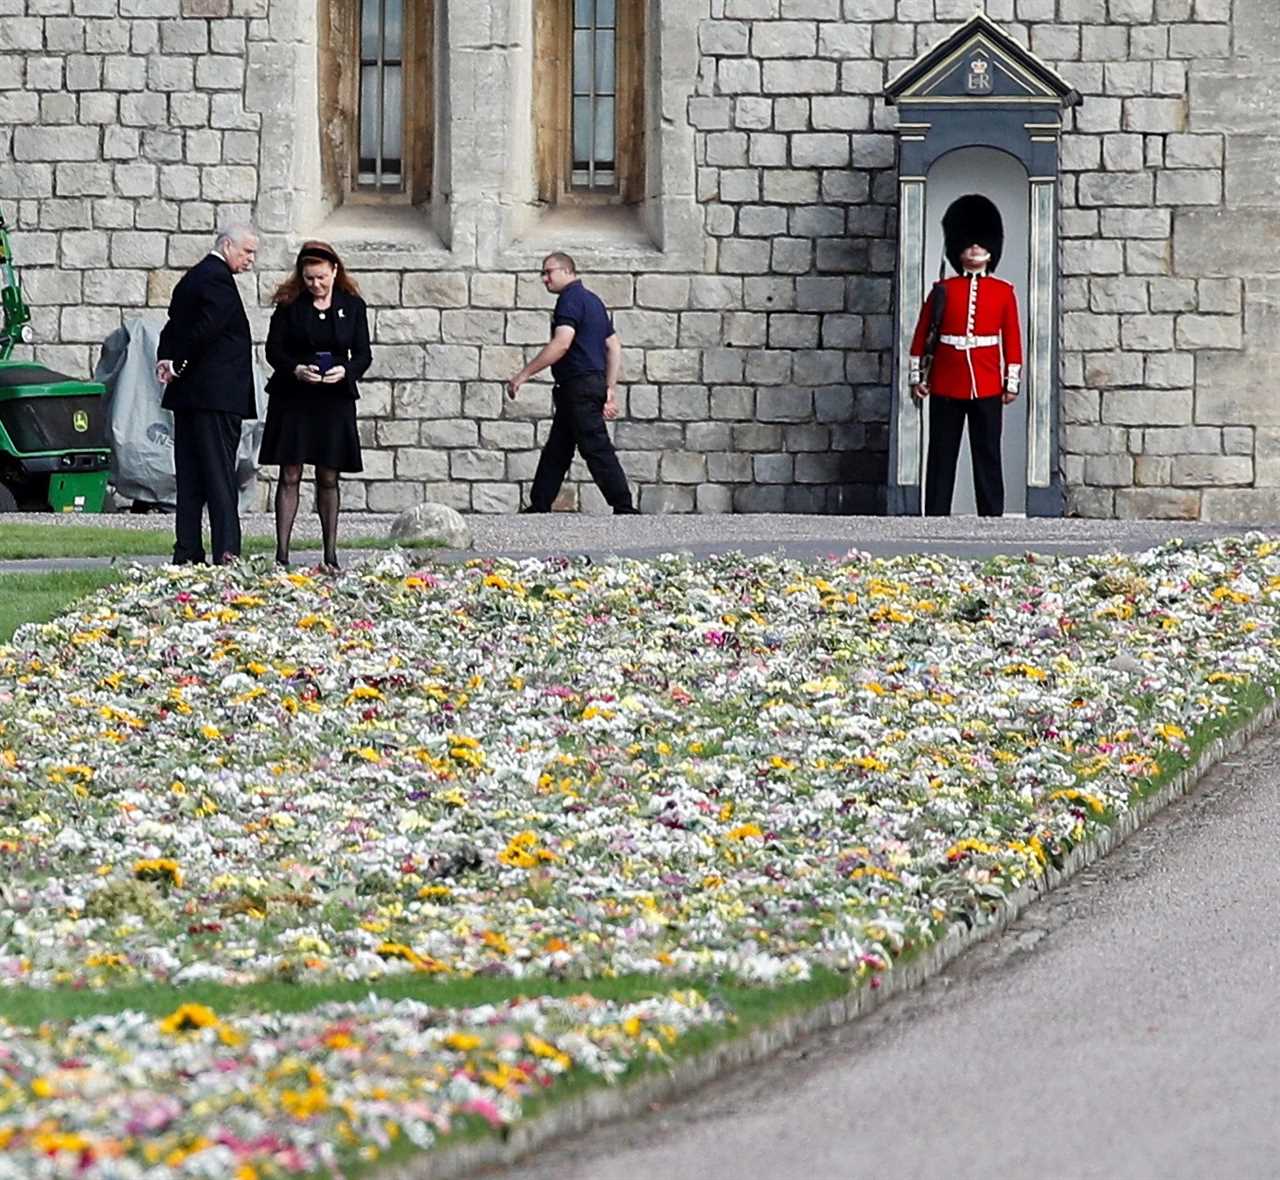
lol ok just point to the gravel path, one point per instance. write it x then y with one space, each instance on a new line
802 535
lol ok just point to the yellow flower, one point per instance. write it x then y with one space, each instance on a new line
498 942
398 950
957 850
189 1018
746 832
463 1042
158 869
872 871
1076 796
466 750
1030 671
106 959
302 1104
522 852
827 685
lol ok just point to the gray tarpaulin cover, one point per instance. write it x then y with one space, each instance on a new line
142 432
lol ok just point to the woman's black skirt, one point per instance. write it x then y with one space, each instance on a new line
311 426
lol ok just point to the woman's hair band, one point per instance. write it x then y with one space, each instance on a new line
313 251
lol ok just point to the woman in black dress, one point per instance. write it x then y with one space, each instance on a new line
318 349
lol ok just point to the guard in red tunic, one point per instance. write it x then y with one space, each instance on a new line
976 363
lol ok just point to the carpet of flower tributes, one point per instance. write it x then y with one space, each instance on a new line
738 768
128 1097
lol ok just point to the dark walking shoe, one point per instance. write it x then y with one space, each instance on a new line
626 510
532 511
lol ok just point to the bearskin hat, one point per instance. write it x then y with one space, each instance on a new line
972 220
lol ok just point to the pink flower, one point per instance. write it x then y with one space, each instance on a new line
151 1113
485 1109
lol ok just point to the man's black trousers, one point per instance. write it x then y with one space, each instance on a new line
947 418
204 461
579 422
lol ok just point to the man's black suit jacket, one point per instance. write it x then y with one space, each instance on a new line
208 340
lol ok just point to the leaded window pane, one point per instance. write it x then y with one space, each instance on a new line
582 61
604 132
370 17
393 118
393 29
605 61
381 117
594 74
581 132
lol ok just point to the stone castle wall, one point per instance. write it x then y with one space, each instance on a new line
753 292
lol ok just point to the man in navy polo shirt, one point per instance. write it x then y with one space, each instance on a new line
585 356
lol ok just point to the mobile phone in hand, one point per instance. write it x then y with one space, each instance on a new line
324 361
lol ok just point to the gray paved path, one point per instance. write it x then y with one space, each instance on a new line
1125 1028
645 536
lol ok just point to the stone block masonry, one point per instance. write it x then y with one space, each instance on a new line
756 311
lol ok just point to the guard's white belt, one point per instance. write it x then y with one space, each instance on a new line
964 343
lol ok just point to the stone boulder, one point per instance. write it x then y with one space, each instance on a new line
431 522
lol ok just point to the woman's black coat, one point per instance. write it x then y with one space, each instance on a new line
289 343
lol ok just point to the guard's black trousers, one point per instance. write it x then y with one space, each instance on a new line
204 461
579 422
947 417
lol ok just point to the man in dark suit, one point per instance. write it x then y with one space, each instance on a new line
206 367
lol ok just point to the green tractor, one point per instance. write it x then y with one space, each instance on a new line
53 428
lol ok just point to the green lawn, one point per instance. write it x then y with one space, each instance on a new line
36 598
20 541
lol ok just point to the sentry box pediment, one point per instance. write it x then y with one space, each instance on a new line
980 61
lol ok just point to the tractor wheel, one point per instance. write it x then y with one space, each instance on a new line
8 502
